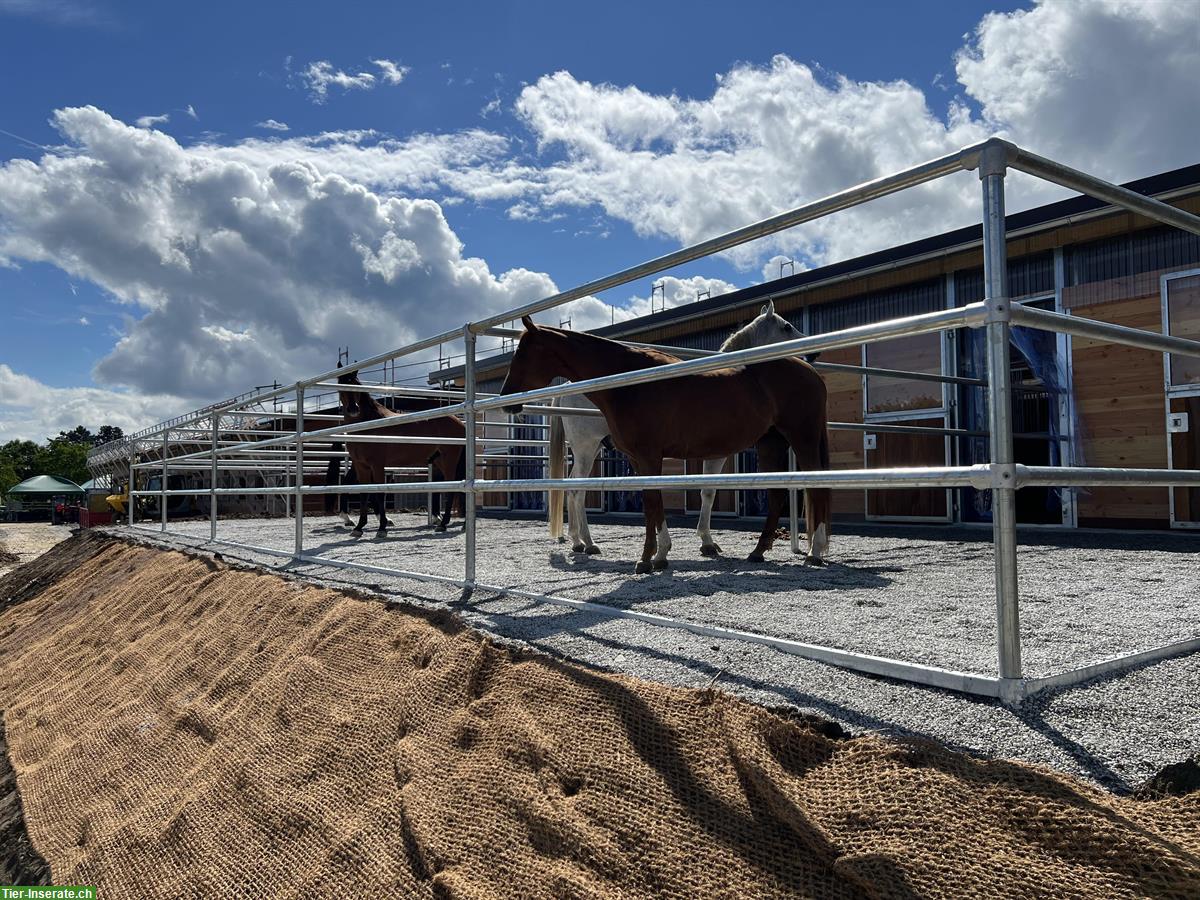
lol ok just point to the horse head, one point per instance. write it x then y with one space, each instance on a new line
767 328
534 364
349 399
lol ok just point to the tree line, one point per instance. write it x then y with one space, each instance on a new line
64 456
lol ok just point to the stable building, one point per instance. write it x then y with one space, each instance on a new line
1076 401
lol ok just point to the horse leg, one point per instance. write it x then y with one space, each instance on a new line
813 455
443 461
363 502
772 457
378 476
708 496
581 535
652 510
344 499
380 501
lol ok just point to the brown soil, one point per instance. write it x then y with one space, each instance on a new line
180 728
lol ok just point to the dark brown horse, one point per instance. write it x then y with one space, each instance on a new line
371 459
768 405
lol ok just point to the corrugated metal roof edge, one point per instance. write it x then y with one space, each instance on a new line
1166 185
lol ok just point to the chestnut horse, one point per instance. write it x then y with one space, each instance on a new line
370 460
768 405
585 434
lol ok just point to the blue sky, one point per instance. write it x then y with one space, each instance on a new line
664 125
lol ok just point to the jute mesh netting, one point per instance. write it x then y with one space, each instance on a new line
182 729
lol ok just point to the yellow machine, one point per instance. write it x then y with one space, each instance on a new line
118 501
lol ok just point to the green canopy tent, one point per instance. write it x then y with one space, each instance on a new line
39 492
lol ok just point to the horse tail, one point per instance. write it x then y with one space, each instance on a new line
818 505
558 465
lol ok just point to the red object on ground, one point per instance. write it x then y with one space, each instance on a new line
89 519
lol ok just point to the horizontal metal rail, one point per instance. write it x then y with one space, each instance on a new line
1091 476
1102 331
883 478
925 323
965 158
409 487
1067 177
693 353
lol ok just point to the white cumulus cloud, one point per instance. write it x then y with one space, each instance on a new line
33 411
243 269
272 125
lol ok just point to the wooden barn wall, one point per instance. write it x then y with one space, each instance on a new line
845 447
1119 390
1119 397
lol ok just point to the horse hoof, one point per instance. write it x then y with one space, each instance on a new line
811 560
642 568
440 528
382 532
593 550
755 557
562 540
661 563
357 532
578 548
389 523
710 550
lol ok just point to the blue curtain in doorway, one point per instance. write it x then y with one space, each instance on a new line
1039 349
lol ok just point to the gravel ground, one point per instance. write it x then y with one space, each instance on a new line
26 541
919 594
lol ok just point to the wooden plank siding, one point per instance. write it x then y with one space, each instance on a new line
845 447
1119 397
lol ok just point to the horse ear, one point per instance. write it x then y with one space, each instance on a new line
528 323
769 308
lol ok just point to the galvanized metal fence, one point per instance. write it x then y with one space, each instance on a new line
309 447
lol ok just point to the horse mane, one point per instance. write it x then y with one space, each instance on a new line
634 357
742 338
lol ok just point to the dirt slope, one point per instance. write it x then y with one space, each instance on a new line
179 728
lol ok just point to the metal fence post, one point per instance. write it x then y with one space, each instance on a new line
162 497
793 511
993 164
133 457
470 463
212 493
299 470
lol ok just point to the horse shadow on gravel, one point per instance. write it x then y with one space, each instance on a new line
370 538
723 574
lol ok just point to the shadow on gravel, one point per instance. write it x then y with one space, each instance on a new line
723 573
369 537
